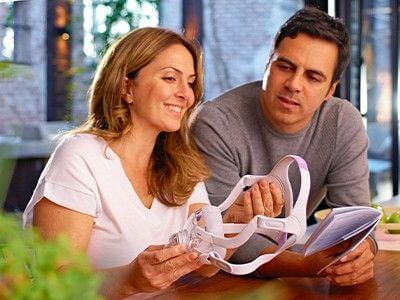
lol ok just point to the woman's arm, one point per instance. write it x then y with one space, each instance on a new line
153 269
52 219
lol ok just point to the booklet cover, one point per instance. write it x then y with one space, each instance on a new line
343 223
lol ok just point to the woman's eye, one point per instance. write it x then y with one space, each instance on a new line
170 79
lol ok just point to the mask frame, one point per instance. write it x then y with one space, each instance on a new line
210 242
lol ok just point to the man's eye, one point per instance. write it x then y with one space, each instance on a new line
315 79
284 67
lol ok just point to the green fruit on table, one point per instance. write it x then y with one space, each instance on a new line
394 217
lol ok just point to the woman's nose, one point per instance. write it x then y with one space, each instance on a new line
185 91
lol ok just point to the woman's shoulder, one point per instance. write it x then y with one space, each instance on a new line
82 144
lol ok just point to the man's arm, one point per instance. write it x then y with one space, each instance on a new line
293 264
216 142
212 134
347 185
347 181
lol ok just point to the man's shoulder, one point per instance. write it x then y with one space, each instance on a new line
235 101
340 105
339 117
249 89
237 95
340 110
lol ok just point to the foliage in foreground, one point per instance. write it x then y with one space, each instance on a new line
29 266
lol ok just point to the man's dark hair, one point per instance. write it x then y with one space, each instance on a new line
319 24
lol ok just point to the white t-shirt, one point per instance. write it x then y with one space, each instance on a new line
85 175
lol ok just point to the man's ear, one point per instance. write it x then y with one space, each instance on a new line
331 90
127 91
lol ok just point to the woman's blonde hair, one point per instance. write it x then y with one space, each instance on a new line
175 166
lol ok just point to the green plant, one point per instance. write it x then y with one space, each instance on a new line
30 266
117 12
8 69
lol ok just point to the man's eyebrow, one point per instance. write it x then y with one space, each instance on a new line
292 64
177 70
286 60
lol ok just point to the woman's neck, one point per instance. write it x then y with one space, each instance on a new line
135 148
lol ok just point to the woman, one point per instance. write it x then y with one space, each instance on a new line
123 182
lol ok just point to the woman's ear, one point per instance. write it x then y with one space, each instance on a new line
127 91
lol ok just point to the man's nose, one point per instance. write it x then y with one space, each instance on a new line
294 83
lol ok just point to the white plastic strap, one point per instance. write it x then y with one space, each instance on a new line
212 243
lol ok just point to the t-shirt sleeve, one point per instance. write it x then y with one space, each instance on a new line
68 181
199 195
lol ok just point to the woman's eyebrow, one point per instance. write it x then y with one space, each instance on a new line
177 70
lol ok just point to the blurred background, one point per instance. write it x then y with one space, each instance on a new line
49 50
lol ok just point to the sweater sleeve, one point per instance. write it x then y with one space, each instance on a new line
214 139
347 181
348 177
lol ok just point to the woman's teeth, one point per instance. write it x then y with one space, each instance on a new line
174 108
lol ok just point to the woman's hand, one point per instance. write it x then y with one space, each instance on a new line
263 198
156 268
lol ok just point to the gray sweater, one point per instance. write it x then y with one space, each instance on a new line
236 139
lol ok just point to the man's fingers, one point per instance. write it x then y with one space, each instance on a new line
360 249
363 274
248 209
256 200
277 198
357 263
267 201
158 256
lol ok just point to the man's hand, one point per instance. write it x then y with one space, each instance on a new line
263 198
356 267
313 263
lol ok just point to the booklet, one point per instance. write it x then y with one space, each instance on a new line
342 223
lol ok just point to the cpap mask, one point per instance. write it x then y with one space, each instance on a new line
210 242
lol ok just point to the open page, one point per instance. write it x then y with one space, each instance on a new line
355 223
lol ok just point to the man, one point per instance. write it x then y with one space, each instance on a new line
248 129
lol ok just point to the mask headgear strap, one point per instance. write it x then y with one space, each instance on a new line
212 244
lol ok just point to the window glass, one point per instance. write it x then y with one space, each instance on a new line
376 93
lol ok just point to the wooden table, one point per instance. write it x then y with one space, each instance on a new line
385 285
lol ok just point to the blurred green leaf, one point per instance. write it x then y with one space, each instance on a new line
29 266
